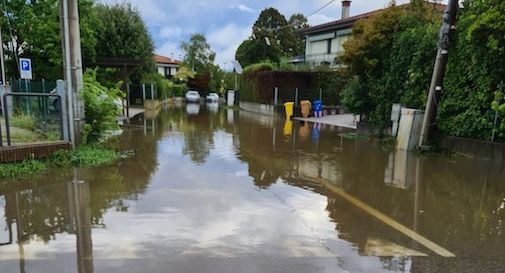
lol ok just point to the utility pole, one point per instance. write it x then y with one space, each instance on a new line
70 32
2 61
446 31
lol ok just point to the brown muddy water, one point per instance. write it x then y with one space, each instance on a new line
210 190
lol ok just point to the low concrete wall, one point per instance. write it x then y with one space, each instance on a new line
262 109
31 151
278 111
471 148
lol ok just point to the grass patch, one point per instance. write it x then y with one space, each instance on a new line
23 121
21 169
85 156
353 136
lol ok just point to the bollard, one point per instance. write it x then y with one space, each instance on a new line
296 96
276 95
60 90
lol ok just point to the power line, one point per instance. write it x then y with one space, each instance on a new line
321 8
311 14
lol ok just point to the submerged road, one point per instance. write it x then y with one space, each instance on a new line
218 190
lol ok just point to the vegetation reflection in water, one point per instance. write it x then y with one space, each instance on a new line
457 203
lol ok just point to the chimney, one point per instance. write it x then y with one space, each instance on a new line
346 6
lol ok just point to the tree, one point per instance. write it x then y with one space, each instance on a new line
272 24
184 74
33 28
249 52
123 35
272 38
298 22
198 54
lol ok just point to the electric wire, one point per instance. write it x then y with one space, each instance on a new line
311 14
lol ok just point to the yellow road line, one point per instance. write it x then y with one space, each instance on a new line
388 221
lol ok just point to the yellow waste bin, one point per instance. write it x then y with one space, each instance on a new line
288 107
305 105
288 127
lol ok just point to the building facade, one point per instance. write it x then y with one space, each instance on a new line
166 67
324 43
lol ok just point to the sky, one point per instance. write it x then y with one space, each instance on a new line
227 23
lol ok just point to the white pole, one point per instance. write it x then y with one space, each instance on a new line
2 59
276 95
68 72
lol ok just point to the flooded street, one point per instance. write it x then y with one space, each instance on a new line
210 190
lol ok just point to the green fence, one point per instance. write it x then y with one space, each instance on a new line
33 86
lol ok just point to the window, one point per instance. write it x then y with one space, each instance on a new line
328 49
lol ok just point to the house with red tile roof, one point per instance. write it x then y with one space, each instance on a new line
166 66
324 43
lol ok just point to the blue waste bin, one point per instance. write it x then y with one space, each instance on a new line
318 108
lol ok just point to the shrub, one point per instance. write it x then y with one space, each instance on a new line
391 58
178 90
258 67
102 107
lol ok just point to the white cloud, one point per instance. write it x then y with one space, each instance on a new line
170 49
226 40
171 32
245 8
318 19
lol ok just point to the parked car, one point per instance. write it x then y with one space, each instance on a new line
212 97
192 96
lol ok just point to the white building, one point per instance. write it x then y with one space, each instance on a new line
324 43
166 66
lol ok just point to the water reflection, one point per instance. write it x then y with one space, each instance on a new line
80 223
193 108
233 191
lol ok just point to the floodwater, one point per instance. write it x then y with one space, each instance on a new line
210 190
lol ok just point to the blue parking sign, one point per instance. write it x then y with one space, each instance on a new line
25 68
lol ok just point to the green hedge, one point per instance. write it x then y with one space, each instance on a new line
257 85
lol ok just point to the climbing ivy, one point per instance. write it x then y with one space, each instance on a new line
475 70
390 58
